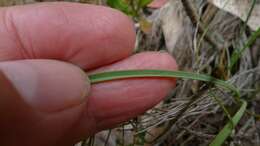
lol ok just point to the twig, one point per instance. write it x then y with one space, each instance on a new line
108 136
199 134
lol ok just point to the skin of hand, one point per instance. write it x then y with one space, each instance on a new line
157 3
45 52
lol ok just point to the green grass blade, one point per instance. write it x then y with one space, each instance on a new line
114 75
237 54
226 131
120 5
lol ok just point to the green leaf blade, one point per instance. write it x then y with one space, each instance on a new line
125 74
115 75
226 131
120 5
237 54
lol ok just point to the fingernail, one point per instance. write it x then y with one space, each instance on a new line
48 85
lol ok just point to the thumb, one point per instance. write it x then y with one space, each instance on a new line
40 100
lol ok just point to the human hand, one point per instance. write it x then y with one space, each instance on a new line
47 102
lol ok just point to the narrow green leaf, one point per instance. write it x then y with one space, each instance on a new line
238 53
120 5
223 134
114 75
226 131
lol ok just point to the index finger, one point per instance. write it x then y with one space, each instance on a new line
86 35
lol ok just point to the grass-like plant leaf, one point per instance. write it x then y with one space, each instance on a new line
226 131
120 5
114 75
124 74
238 53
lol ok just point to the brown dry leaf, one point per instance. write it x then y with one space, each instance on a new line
240 8
172 24
177 31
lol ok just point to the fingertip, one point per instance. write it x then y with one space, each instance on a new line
86 35
166 60
157 3
116 101
145 60
48 85
122 30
